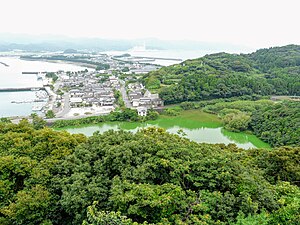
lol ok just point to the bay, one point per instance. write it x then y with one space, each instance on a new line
9 108
11 77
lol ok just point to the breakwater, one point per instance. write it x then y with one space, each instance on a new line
156 58
4 64
21 89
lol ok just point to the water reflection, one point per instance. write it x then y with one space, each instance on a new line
192 130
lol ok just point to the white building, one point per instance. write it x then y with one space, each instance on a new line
75 102
142 111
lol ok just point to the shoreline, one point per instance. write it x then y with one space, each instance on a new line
17 119
91 66
188 117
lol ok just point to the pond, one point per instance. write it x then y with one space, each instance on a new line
193 124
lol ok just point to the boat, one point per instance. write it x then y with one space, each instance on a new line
35 89
22 102
37 108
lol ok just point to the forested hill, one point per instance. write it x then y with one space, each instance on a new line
277 57
274 71
148 178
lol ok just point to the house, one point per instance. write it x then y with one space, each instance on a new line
135 95
142 111
113 80
76 93
107 102
147 100
75 102
135 102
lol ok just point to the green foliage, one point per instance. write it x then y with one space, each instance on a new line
96 217
30 206
119 99
37 122
152 82
102 66
242 106
59 92
236 121
288 213
151 177
258 219
280 164
273 71
277 57
189 105
163 179
278 124
236 115
275 123
152 115
50 114
174 111
5 120
125 69
52 75
28 161
204 103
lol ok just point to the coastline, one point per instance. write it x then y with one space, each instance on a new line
91 66
191 122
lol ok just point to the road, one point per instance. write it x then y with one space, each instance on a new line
66 106
124 95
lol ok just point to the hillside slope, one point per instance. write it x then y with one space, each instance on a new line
274 71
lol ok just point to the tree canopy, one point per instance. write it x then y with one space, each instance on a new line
273 71
151 177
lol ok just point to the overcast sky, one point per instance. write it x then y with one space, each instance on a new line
254 23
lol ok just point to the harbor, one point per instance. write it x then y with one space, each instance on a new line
22 91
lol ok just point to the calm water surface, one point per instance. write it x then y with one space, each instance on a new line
208 132
11 77
7 108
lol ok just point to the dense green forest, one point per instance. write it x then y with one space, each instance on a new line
275 123
151 177
273 71
278 124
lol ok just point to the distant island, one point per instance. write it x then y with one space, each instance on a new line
70 51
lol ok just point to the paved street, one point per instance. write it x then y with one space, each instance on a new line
124 95
66 106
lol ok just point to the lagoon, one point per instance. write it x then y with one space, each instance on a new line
192 124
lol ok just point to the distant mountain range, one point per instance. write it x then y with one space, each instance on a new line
9 42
